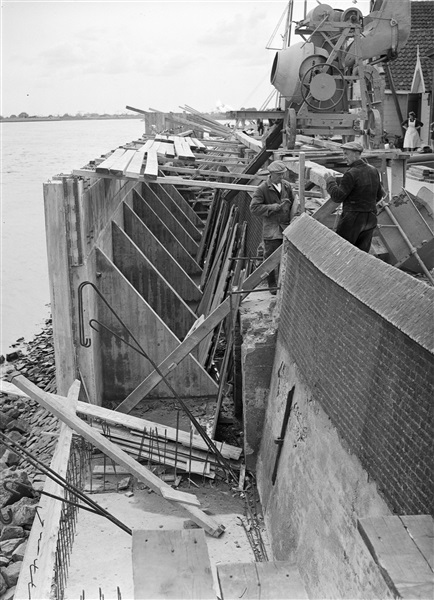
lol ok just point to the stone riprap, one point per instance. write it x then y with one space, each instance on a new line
36 430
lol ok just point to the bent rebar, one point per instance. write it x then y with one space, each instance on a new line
86 342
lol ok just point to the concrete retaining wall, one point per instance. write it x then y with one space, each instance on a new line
354 338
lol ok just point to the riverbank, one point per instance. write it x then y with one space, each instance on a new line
24 422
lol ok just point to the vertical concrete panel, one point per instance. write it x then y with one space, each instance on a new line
170 220
165 236
60 290
179 208
123 368
257 354
147 280
182 203
158 255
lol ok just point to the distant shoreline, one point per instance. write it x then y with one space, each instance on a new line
99 118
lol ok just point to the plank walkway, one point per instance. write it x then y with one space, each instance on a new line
171 564
261 581
403 548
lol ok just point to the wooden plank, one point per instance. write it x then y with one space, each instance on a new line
191 341
151 168
158 450
134 169
324 211
171 564
112 417
403 566
182 437
207 173
248 141
277 580
421 530
142 473
104 167
120 165
215 185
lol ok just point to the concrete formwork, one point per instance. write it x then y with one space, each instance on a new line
110 236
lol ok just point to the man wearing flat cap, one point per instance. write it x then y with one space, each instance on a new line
359 190
272 201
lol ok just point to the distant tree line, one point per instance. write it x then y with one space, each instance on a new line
24 115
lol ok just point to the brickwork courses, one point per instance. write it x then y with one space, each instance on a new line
360 332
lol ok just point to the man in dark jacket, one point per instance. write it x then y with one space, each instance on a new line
272 201
359 190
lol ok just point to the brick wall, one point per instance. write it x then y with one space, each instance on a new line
361 335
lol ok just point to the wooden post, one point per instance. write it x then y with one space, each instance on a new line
301 180
397 180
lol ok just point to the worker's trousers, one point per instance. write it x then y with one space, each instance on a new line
357 228
269 247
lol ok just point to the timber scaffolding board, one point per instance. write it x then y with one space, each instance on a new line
199 165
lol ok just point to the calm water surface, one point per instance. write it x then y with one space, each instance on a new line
31 154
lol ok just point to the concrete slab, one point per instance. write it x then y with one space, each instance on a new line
101 554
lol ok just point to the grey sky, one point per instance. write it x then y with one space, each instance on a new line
66 57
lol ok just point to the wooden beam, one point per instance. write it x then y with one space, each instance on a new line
255 114
208 173
137 110
122 458
118 419
198 334
134 169
120 165
248 141
149 175
106 164
151 168
206 184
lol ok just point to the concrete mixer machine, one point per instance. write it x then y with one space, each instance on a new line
328 82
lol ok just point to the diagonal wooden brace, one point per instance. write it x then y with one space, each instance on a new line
188 501
196 336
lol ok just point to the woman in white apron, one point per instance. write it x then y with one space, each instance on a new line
412 130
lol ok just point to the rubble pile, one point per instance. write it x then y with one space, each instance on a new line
26 423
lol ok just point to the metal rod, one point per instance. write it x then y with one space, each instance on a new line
86 343
9 443
408 242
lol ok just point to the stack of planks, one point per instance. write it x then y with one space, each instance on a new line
134 162
154 443
421 173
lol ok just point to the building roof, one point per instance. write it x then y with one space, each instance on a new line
402 68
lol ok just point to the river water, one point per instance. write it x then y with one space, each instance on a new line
31 154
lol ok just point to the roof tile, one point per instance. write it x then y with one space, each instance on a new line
422 26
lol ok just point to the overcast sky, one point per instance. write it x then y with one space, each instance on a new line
68 57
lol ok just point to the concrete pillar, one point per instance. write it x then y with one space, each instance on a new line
257 356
